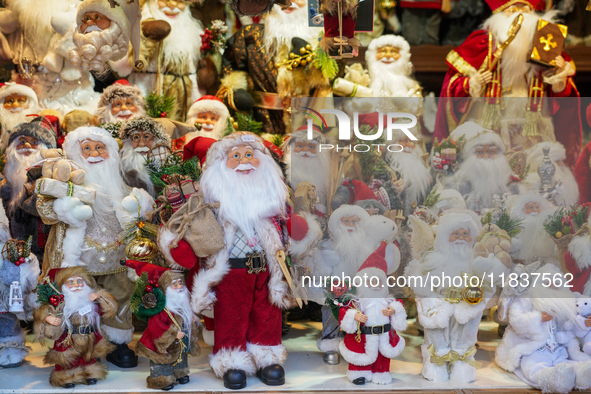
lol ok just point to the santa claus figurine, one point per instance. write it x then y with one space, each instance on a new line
18 101
339 28
533 240
170 51
371 320
120 102
493 63
533 346
172 328
307 164
143 140
71 310
244 280
484 170
19 271
86 233
17 190
211 119
577 259
451 315
390 68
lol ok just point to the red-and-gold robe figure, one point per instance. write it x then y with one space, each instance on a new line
518 96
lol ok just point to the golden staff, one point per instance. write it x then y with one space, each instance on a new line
280 256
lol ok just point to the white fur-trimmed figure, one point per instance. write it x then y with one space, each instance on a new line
120 102
17 101
577 260
211 114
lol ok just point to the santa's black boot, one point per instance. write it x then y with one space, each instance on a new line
123 356
235 379
272 375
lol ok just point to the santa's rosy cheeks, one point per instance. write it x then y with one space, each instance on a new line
305 147
207 119
123 108
350 222
75 283
94 19
94 151
171 7
242 159
141 139
15 101
486 151
388 54
461 234
25 143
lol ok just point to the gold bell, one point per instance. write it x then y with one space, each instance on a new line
141 249
302 50
473 295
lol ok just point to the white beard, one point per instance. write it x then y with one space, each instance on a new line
535 242
351 247
95 48
281 27
392 80
132 160
178 302
104 115
182 47
15 172
371 304
217 133
416 178
246 199
74 301
449 258
315 170
12 119
514 62
560 303
487 177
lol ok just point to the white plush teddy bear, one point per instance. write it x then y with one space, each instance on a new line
578 329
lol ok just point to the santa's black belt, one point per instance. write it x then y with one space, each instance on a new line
375 330
255 262
82 330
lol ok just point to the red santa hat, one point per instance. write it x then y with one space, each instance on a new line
501 5
375 265
304 229
297 227
121 89
208 104
198 146
476 135
164 276
10 88
352 192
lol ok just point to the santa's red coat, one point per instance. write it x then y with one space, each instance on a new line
157 326
583 174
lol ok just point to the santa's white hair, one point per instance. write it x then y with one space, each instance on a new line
281 27
559 302
514 62
105 177
133 160
351 246
535 156
74 302
416 177
15 171
178 301
181 49
204 105
10 118
104 115
244 199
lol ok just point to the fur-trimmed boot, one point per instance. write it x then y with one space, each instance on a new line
431 371
558 379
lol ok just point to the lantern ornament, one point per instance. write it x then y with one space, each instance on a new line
15 302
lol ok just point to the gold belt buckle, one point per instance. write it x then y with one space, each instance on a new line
250 263
372 333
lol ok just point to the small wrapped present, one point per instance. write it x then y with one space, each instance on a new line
342 87
54 188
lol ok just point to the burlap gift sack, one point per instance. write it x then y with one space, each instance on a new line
195 223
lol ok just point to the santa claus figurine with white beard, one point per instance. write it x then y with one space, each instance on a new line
210 117
140 136
18 102
484 170
120 102
533 239
567 193
307 164
17 190
370 322
474 72
244 280
577 259
533 345
174 66
254 53
86 235
390 68
451 315
73 318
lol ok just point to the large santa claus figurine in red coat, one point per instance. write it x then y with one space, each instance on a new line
244 280
370 322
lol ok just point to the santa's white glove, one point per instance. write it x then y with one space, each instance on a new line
72 211
129 212
478 81
558 76
515 246
490 265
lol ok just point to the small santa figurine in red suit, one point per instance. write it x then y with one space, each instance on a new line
474 71
336 33
73 322
577 259
370 322
171 334
244 280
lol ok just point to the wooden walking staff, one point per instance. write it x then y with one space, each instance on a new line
280 256
496 57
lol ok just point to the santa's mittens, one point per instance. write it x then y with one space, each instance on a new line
72 211
183 255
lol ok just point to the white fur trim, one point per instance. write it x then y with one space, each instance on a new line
348 322
71 142
263 356
398 319
314 233
14 88
72 246
208 337
464 312
117 335
381 377
164 239
434 312
519 203
218 150
580 249
387 39
328 345
352 375
362 359
204 105
475 135
227 359
583 376
386 348
342 211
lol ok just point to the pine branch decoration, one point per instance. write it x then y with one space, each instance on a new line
159 105
325 64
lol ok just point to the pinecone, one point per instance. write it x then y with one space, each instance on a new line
149 301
